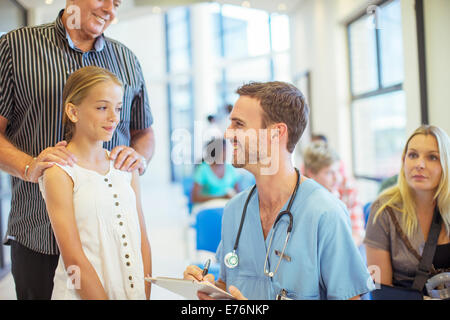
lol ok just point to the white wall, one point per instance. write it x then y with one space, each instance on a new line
143 33
437 26
203 63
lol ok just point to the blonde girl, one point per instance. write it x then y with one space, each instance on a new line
95 210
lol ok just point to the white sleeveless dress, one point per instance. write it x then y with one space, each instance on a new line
108 224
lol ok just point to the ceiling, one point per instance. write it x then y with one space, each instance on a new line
29 4
282 6
268 5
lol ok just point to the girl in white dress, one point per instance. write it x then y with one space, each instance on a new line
95 209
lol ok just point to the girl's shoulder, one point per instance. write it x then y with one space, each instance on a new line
59 172
57 178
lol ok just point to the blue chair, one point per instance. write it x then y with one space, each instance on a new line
366 210
208 226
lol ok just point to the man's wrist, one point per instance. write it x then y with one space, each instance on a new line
27 169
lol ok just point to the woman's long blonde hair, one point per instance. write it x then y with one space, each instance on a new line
77 88
400 196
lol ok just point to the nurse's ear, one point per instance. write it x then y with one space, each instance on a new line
278 130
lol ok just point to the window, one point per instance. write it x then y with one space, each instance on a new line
244 44
180 84
250 45
378 101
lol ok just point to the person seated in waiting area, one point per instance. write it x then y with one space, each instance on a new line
400 219
214 178
346 183
322 164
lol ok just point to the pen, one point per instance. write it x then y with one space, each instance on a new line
206 267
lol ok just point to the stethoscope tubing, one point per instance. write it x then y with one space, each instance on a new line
279 216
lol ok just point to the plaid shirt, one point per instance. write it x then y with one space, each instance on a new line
348 194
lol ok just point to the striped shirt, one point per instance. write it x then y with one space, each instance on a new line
35 63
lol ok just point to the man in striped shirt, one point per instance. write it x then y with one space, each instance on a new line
35 63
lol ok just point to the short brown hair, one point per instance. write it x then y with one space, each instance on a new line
281 102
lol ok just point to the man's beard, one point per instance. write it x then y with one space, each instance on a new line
240 162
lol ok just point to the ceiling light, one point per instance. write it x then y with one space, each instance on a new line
246 4
282 7
156 10
48 2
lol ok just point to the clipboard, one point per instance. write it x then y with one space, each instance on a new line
188 288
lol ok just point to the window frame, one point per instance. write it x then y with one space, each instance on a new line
269 56
172 75
381 90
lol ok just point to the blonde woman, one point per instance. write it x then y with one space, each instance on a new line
95 209
423 184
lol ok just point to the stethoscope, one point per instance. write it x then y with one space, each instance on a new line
232 259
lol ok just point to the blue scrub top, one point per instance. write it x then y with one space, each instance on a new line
325 263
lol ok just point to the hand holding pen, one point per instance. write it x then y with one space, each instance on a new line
194 272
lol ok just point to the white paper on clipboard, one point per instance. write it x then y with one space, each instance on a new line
188 288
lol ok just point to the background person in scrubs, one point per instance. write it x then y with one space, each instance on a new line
321 261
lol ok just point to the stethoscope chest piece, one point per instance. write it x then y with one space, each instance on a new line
231 259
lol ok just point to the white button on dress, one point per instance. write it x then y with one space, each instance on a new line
108 224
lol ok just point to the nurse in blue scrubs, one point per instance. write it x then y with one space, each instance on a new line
287 237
